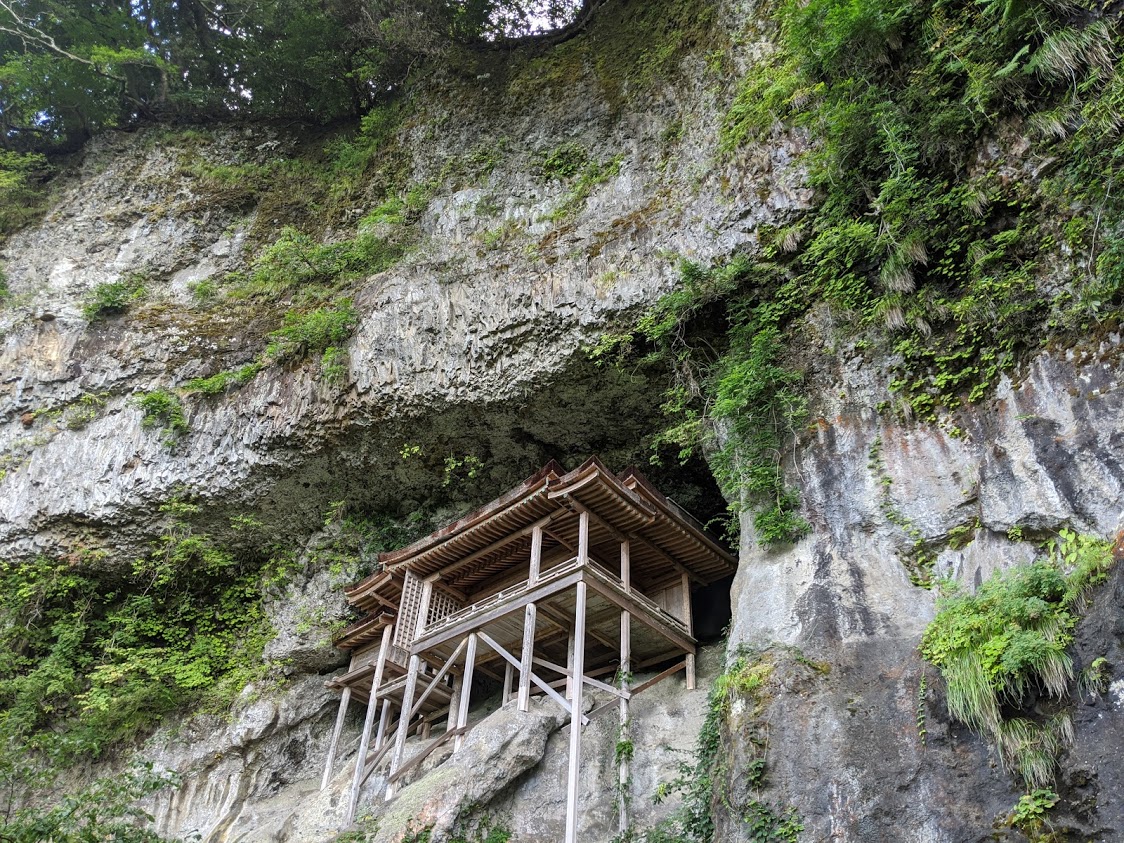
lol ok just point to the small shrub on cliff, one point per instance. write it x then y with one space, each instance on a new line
162 409
222 381
114 297
297 261
312 332
1010 638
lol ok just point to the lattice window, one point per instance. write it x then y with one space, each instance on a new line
408 611
441 605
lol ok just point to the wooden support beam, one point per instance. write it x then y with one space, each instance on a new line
529 620
408 690
403 721
424 754
384 721
576 721
466 691
550 692
454 702
345 698
583 537
423 609
687 618
659 677
589 680
569 671
440 675
373 762
556 618
525 662
372 705
508 676
671 671
625 674
640 612
536 554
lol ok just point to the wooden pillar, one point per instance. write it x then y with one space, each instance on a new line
454 702
576 707
625 736
528 654
466 690
372 706
536 555
508 681
689 621
384 720
411 687
529 618
583 537
570 665
345 698
403 720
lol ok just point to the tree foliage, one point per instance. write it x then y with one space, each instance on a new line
71 67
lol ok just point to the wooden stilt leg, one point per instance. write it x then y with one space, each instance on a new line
625 736
364 741
384 720
689 621
576 716
529 619
403 720
466 690
411 686
508 681
454 702
345 698
528 654
570 665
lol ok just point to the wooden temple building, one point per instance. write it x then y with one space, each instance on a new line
570 581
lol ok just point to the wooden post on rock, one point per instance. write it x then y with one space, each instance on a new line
372 706
579 685
689 621
411 686
466 690
529 619
345 698
625 669
576 717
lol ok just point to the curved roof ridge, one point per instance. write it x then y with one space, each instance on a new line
462 525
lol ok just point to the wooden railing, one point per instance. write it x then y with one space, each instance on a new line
503 596
557 572
609 578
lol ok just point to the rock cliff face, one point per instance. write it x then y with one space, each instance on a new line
1042 454
473 344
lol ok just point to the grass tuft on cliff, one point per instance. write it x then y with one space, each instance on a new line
1008 643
